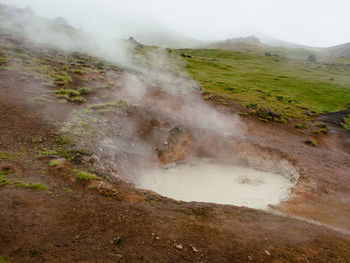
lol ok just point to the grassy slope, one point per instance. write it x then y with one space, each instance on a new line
287 86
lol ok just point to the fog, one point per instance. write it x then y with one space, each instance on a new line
162 118
311 22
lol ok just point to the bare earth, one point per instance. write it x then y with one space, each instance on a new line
80 222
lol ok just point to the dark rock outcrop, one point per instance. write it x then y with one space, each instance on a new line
177 145
312 58
134 42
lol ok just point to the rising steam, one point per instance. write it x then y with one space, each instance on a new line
154 84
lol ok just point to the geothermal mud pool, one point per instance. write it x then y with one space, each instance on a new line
214 182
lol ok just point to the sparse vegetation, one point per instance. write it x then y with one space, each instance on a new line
82 175
75 155
47 152
311 142
100 65
110 106
323 128
63 79
78 71
37 186
62 140
4 181
41 99
4 155
3 58
84 91
72 95
54 163
3 260
346 123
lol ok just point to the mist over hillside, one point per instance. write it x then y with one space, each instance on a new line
339 51
149 33
166 131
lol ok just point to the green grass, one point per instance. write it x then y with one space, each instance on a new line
54 163
100 65
62 140
84 91
346 122
4 155
37 186
311 142
4 181
62 79
72 95
3 260
82 175
110 106
47 152
3 59
78 71
287 86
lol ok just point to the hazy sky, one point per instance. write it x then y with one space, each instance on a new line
310 22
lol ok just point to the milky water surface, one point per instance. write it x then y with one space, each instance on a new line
220 183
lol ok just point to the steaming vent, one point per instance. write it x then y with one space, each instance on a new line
254 176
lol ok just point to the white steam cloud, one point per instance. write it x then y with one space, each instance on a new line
155 80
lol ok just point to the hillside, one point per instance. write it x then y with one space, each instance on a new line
290 87
339 51
162 36
85 121
269 45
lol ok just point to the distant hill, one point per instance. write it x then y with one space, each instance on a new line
59 33
339 51
164 37
244 44
24 22
275 42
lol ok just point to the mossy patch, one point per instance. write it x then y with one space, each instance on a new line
110 106
54 163
37 186
4 155
86 176
311 142
47 152
3 260
346 122
71 95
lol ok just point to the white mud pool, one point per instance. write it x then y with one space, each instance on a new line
208 181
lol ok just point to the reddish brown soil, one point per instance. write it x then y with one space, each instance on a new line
72 222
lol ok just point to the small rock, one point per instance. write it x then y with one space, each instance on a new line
267 253
250 258
179 246
193 248
116 240
308 113
312 58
